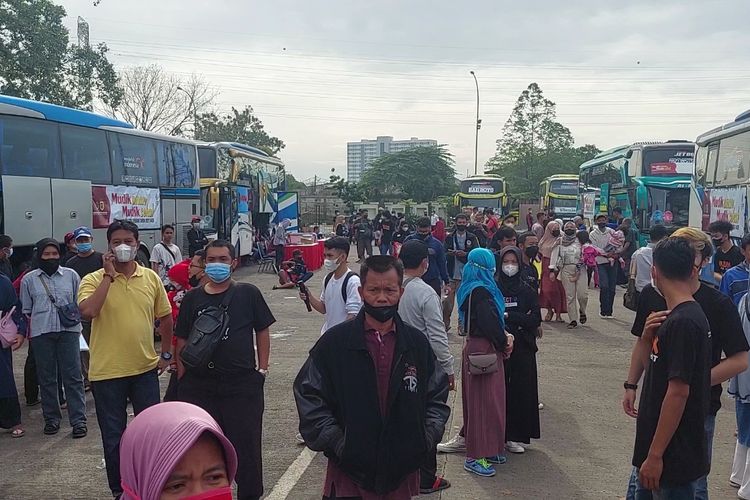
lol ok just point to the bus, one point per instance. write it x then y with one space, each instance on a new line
723 169
239 184
484 191
61 168
559 193
652 182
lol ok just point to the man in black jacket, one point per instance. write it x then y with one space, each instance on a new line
197 239
458 244
375 443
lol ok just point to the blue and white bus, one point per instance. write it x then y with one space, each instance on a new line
61 168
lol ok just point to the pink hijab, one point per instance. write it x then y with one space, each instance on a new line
548 242
157 439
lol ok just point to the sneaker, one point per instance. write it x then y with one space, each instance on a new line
572 325
457 444
34 403
79 431
514 447
583 319
603 316
497 459
51 429
299 438
439 485
541 406
480 467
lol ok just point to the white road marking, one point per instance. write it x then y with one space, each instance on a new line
289 479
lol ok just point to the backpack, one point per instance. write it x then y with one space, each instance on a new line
343 285
209 328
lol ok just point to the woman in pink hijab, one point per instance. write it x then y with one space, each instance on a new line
176 450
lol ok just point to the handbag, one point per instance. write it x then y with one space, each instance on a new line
209 328
8 329
479 363
630 298
69 314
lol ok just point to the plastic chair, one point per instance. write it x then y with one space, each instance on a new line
265 261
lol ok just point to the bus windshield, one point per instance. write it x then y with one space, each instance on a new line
668 161
564 187
483 186
609 173
668 206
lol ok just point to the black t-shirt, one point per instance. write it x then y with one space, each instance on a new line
387 231
248 311
727 335
723 261
681 350
85 265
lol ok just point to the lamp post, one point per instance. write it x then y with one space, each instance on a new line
479 125
192 106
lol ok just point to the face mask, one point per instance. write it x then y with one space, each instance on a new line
125 253
423 236
461 228
601 225
8 251
405 228
656 289
194 281
531 251
49 266
83 247
510 224
330 265
570 232
381 313
224 493
717 242
556 233
218 272
510 270
196 225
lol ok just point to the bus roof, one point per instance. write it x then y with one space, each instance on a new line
605 156
151 135
247 151
484 177
560 177
53 112
740 124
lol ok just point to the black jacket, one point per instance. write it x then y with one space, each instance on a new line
339 412
450 244
524 316
196 240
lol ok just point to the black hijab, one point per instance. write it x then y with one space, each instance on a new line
39 250
509 285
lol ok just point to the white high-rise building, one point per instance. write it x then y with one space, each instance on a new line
360 154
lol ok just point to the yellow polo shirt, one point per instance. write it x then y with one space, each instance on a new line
122 335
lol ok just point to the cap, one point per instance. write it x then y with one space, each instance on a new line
79 232
196 218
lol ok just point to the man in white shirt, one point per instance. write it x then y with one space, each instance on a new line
165 254
643 259
600 235
340 300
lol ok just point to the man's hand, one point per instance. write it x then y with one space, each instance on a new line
628 403
653 322
303 296
163 365
108 262
451 382
650 472
446 290
460 253
509 346
18 342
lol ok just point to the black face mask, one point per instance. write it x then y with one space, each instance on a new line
556 233
461 228
49 266
601 225
531 252
194 281
570 232
381 313
422 236
717 242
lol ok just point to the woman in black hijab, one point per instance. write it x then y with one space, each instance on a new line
522 319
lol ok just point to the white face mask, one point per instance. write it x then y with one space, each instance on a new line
510 270
656 289
125 253
8 251
330 265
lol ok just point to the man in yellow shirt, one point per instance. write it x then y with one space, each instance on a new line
123 300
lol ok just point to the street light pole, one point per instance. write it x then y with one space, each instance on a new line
192 106
479 125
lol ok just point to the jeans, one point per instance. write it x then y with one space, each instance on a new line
700 485
607 287
111 400
31 383
60 351
667 492
385 248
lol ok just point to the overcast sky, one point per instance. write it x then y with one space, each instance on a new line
322 73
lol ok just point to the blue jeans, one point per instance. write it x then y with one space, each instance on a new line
111 399
385 248
700 485
53 351
607 287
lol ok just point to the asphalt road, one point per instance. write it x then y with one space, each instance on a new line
584 452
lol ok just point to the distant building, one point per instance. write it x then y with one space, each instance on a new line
360 154
318 205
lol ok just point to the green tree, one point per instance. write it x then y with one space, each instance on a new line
534 145
292 184
421 173
237 126
37 61
349 192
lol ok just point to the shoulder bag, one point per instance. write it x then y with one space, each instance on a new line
479 364
209 328
8 329
69 314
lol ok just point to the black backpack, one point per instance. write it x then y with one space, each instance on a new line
209 328
343 285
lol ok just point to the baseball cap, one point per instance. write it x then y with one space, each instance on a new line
82 231
196 218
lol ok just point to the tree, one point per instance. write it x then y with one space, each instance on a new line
237 126
37 61
349 192
160 102
421 173
292 184
534 145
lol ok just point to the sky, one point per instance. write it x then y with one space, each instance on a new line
320 74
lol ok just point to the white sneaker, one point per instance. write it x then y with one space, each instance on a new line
299 438
457 444
514 447
541 406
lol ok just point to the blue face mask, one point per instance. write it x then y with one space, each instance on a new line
83 247
218 272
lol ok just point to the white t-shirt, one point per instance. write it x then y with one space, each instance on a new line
161 256
336 310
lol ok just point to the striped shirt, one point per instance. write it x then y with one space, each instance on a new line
63 285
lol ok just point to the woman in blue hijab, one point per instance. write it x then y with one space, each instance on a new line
481 313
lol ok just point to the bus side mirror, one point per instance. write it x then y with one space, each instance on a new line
641 198
234 172
213 197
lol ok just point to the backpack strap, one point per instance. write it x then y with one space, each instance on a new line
168 251
343 285
224 306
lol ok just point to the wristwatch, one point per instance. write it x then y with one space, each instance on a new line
166 356
628 386
263 372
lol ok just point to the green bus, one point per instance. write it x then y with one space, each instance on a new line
484 191
559 193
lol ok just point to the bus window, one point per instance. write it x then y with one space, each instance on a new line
733 166
207 162
713 156
133 159
608 173
564 187
85 154
177 165
29 147
668 161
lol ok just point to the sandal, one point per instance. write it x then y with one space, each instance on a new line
572 325
17 433
548 317
583 319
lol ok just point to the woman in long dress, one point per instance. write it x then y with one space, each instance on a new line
552 295
10 409
522 319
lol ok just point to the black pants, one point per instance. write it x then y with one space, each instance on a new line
364 246
279 255
236 403
428 471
